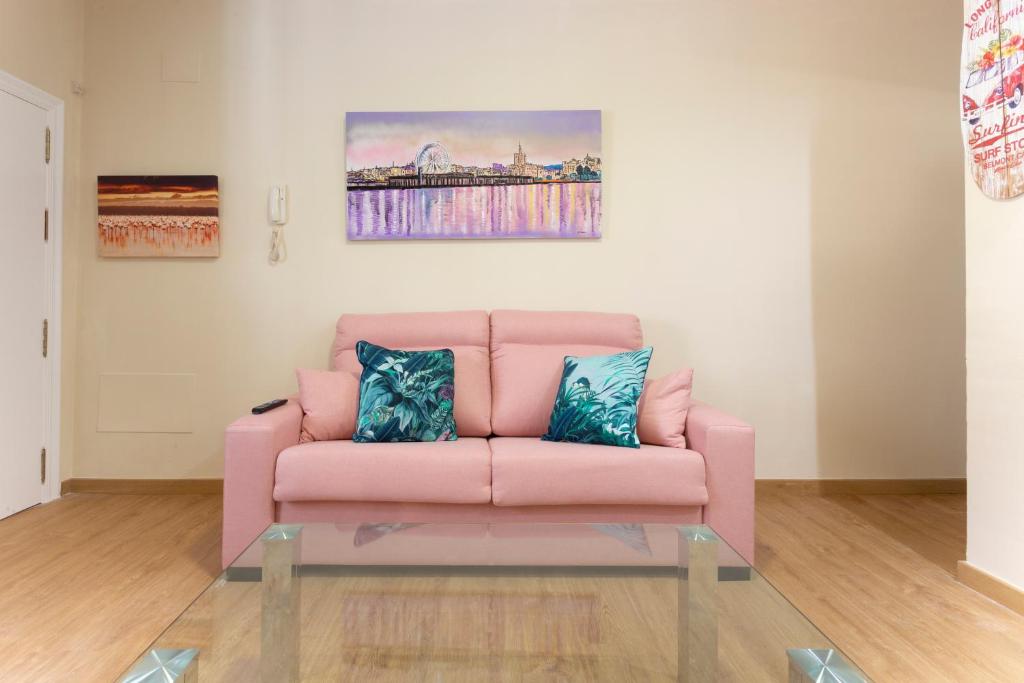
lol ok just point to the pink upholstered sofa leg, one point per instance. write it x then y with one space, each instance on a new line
727 445
251 446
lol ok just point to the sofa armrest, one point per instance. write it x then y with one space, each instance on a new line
251 446
727 444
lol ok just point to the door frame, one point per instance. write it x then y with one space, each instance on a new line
53 267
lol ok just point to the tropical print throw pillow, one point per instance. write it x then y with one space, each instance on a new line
596 402
405 395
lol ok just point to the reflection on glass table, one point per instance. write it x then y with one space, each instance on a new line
495 602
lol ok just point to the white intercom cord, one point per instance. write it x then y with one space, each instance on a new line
278 249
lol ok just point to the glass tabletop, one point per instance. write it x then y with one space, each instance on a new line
491 602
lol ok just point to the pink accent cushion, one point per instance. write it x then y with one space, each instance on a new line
411 472
527 353
466 333
528 471
661 418
330 403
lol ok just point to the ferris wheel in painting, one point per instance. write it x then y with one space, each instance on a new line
433 158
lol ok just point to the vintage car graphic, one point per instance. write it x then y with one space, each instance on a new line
997 78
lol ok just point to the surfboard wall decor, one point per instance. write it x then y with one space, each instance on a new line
992 95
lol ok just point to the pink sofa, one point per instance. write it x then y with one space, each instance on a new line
507 368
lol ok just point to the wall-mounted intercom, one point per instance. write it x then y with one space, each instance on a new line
277 205
277 214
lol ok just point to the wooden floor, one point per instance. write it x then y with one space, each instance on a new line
87 582
877 575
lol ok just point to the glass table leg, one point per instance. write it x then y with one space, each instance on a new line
280 618
821 666
165 666
698 611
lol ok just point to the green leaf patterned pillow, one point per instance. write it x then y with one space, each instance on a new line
405 395
596 401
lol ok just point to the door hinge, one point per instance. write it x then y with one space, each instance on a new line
46 336
42 466
47 144
46 225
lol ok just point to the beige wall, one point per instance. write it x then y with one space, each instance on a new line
41 42
783 207
995 375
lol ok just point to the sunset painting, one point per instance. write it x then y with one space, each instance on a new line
473 174
158 216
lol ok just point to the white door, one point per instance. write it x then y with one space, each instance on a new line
23 194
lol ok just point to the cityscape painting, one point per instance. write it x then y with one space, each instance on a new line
464 175
158 216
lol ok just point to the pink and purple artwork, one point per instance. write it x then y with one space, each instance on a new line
483 175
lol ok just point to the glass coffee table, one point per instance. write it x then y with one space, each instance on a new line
491 602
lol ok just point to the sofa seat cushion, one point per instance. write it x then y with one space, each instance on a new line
528 471
423 472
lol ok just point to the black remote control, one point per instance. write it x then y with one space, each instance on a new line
269 405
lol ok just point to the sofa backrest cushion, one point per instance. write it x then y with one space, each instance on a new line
466 333
527 353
